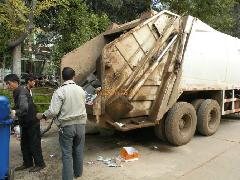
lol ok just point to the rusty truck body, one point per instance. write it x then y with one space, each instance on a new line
174 73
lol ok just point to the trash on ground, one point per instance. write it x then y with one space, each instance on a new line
110 162
17 132
155 148
90 98
52 155
99 158
90 162
119 124
129 154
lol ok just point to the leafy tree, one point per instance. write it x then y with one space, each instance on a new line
72 26
120 11
236 13
17 22
217 13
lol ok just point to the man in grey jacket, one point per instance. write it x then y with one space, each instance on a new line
68 106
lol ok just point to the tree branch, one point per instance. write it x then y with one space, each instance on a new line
29 27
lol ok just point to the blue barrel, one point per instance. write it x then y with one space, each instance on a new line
4 108
5 123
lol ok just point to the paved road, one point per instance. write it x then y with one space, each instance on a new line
204 158
216 157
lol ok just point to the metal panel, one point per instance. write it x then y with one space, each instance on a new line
145 38
140 108
146 93
211 59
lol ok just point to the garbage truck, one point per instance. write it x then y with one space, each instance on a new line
174 73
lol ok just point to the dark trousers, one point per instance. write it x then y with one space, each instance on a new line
72 140
31 146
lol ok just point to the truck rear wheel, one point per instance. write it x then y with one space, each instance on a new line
209 117
197 103
159 130
180 123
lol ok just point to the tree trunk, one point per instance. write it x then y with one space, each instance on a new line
17 60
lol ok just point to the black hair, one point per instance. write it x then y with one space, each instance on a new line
68 73
30 77
12 78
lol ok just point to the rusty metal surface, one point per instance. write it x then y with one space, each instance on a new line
135 69
83 59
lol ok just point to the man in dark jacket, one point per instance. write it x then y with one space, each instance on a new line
30 126
30 81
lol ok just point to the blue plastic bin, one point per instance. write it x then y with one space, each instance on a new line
5 123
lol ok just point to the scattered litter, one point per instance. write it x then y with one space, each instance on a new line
129 154
17 132
119 124
90 98
99 158
110 162
52 155
155 148
114 165
107 161
90 162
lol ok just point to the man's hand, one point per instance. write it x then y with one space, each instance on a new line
39 116
13 114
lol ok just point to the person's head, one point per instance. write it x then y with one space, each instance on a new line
30 80
68 73
12 81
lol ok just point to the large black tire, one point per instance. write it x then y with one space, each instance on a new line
159 130
180 123
209 116
197 103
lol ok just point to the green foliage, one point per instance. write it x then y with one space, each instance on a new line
17 18
73 26
7 93
216 13
236 14
43 99
120 11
